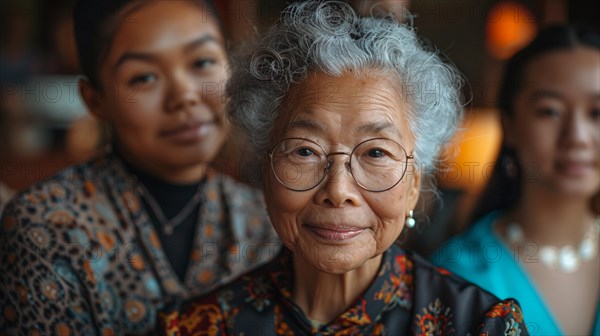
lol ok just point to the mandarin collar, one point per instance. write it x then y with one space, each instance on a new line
392 286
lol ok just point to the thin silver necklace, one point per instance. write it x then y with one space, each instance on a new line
169 225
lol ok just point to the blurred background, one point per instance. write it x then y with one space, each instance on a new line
44 126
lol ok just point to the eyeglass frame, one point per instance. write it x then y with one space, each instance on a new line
348 163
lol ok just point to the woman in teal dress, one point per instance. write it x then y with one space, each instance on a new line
536 238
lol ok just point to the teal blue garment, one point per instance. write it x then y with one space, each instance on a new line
482 258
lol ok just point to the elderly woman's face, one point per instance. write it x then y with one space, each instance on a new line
338 225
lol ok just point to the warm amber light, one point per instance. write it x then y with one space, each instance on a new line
509 27
470 160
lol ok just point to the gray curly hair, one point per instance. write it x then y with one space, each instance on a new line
329 37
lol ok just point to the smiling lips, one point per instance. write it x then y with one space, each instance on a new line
188 132
336 233
575 167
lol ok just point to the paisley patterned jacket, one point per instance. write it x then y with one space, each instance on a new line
79 254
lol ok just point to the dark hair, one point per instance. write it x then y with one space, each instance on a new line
504 188
96 22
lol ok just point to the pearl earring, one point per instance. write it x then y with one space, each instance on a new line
410 221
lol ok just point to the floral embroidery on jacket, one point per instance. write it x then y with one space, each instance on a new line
512 328
262 303
436 319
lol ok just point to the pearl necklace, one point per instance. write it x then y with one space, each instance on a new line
565 259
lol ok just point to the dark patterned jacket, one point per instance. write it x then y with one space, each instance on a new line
409 296
79 255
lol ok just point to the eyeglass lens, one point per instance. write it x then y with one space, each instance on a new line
375 164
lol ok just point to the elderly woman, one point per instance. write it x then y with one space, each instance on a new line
344 110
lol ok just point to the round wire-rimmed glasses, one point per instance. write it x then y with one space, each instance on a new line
376 165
